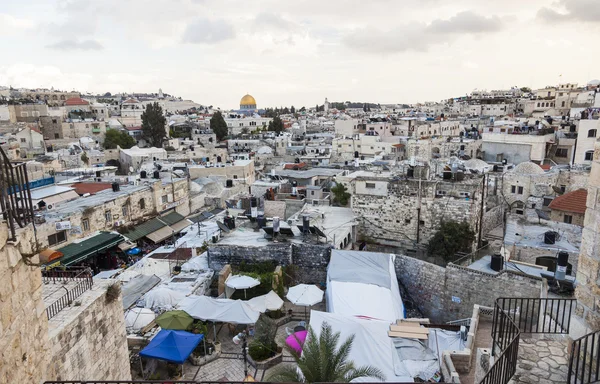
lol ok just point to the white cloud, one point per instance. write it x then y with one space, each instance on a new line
77 45
11 25
205 31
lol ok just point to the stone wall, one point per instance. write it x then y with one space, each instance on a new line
492 219
24 347
89 340
312 261
445 294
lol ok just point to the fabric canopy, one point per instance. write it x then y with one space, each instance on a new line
224 310
305 295
296 340
161 234
162 297
241 282
173 346
269 302
138 318
363 284
136 287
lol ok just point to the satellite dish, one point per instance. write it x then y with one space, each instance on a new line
557 190
130 169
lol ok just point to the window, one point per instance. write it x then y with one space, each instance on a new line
562 152
513 189
125 210
589 155
164 199
547 201
142 204
370 185
406 221
23 140
519 211
562 104
53 121
312 193
421 222
533 206
107 215
520 190
568 219
85 223
235 176
591 133
56 136
57 238
563 188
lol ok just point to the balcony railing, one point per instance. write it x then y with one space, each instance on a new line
584 361
15 195
79 280
539 315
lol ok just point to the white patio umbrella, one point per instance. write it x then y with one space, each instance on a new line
305 295
269 302
137 318
241 282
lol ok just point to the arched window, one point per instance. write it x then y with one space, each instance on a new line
142 204
592 133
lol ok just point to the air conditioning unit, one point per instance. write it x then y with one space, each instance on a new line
464 194
440 193
50 207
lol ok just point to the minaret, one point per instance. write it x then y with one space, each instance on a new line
160 94
587 292
326 105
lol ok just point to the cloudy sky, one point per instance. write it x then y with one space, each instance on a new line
298 52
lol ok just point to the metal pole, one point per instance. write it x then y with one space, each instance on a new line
244 345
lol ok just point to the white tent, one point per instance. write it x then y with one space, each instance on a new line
234 282
269 302
305 295
371 345
138 318
162 297
363 284
224 310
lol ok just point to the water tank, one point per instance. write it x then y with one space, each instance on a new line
410 172
215 239
550 237
497 262
447 175
98 174
229 183
156 175
356 154
305 224
561 265
143 174
116 187
261 221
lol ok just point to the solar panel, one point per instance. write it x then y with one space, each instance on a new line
223 227
268 230
286 231
312 230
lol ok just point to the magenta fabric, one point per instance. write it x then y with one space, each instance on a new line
296 340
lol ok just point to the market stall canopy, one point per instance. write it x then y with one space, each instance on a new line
174 320
159 228
173 346
81 250
269 302
241 282
163 297
224 310
138 318
136 287
48 255
305 295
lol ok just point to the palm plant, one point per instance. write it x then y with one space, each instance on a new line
323 362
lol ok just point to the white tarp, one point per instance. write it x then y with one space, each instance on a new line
269 302
224 310
138 318
363 284
371 345
241 282
163 298
304 295
198 263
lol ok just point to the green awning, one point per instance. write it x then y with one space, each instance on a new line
145 229
172 218
76 252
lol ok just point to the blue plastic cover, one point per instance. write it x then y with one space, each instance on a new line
173 346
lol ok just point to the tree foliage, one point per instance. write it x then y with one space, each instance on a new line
340 194
115 137
276 125
85 158
153 125
452 237
322 361
218 125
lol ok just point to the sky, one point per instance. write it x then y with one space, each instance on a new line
298 52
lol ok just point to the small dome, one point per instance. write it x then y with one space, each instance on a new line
248 101
593 83
528 168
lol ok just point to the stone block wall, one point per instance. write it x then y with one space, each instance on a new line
220 255
492 219
24 347
312 261
89 340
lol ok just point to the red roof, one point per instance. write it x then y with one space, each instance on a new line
76 101
295 166
545 167
133 128
91 188
570 202
130 101
34 129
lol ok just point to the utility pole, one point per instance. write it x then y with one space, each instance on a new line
479 240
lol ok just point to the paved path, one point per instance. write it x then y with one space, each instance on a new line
542 361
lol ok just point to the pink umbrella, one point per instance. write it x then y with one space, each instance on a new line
296 340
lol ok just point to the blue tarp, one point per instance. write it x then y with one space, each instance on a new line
173 346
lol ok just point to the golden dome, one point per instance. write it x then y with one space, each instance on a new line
247 101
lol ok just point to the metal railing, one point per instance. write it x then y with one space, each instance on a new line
172 381
15 195
584 360
84 282
505 336
65 274
539 315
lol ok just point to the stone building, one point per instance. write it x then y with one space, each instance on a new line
49 96
516 148
27 113
241 171
570 207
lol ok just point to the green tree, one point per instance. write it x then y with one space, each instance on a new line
115 137
322 361
526 89
340 194
218 125
452 237
292 109
276 125
85 158
153 125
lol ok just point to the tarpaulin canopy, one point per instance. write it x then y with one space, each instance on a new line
241 282
136 287
173 346
224 310
81 250
138 318
305 295
269 302
163 297
363 284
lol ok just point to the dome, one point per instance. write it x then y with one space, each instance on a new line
247 101
528 168
594 83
